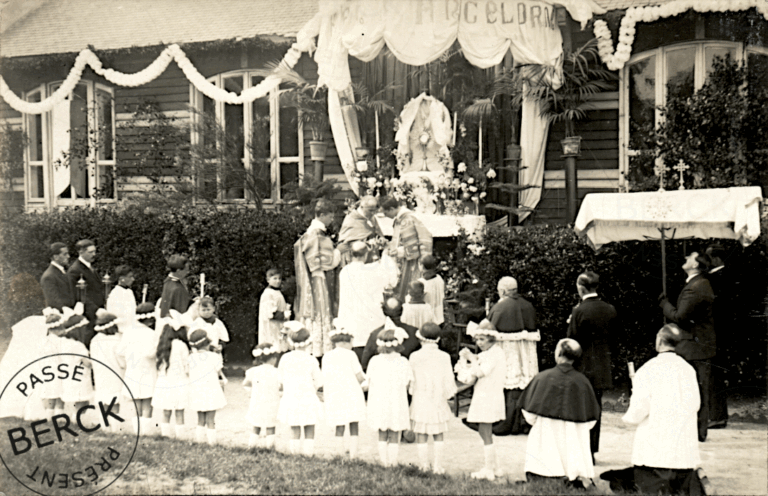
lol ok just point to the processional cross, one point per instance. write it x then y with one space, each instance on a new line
681 167
660 169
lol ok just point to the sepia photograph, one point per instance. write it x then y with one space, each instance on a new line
383 247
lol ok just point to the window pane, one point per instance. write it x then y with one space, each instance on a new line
78 144
260 145
35 132
36 184
757 70
234 143
104 113
289 173
680 72
289 132
711 52
642 99
208 125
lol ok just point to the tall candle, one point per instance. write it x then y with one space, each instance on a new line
144 293
455 123
202 285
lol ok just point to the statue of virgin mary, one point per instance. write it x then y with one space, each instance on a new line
423 138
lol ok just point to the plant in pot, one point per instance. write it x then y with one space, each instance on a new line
310 100
583 76
369 108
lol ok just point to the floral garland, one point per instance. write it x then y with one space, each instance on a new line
150 73
615 60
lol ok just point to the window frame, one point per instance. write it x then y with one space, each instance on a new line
94 163
699 77
275 158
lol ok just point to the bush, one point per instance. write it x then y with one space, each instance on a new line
546 261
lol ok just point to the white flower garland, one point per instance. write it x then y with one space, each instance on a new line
615 60
270 350
150 73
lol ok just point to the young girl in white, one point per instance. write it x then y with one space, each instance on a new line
342 391
262 380
52 390
273 311
433 384
214 328
300 377
76 336
172 386
104 346
205 393
122 301
490 369
389 376
136 353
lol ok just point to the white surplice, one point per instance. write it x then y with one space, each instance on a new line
558 448
664 402
361 293
122 304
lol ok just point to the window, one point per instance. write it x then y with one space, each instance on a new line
651 76
70 151
249 152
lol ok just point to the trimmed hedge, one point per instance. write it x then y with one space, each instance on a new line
235 248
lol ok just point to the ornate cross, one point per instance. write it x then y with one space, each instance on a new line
681 167
660 169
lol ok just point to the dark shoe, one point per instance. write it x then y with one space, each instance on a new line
408 436
702 439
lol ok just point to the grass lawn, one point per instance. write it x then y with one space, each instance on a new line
163 466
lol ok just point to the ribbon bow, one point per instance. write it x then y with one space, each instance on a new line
292 326
174 319
483 328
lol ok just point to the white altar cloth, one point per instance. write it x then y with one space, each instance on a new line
440 226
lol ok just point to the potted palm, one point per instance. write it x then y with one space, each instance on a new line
368 108
583 76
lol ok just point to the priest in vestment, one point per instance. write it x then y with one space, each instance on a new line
316 258
359 225
561 407
410 241
664 405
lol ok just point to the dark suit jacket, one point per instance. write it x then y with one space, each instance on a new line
57 289
725 290
94 291
693 314
410 345
593 322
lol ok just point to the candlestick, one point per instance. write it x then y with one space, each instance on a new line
81 286
202 285
144 293
455 123
106 280
631 366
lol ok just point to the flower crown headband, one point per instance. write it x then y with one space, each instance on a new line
79 324
270 350
338 329
426 340
106 326
400 336
65 314
474 329
199 341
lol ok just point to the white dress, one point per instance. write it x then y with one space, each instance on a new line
389 375
265 396
488 396
300 376
417 314
433 384
557 448
344 400
172 386
216 332
271 303
77 357
29 342
122 304
434 294
137 354
53 346
205 393
104 348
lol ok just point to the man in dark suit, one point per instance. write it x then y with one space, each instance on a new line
725 289
592 324
393 309
57 289
94 291
693 314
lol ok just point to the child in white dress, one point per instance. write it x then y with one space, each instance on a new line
172 386
434 287
300 377
273 311
416 312
214 328
342 391
205 393
489 367
262 380
389 376
53 342
433 385
136 353
122 301
104 346
75 332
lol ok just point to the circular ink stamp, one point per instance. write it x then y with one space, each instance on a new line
78 446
